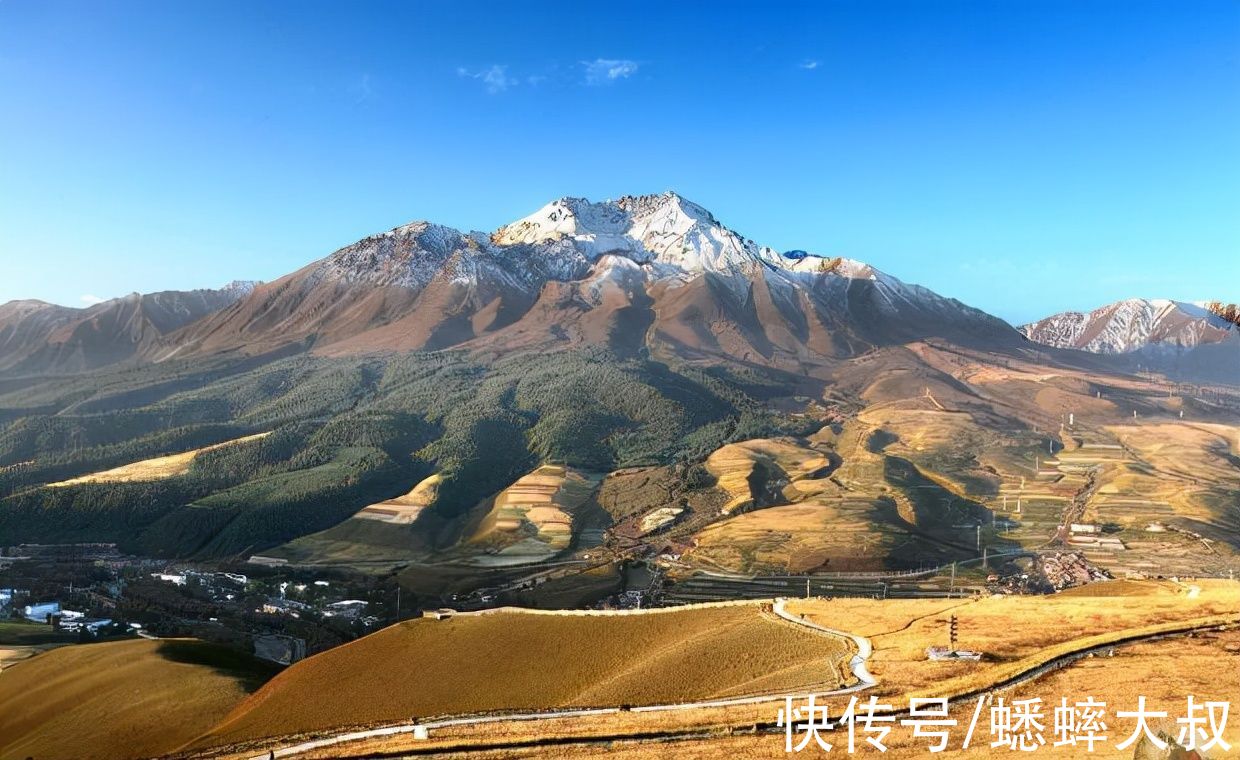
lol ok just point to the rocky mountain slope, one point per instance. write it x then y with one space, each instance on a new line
1131 325
656 272
640 338
40 337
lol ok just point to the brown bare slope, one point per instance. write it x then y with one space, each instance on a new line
38 337
122 699
424 286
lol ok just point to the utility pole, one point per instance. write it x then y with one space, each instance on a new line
979 537
951 589
807 587
398 601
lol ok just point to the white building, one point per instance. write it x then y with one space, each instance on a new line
38 612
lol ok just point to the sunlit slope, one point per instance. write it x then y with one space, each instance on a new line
534 518
835 502
436 667
839 535
157 468
1010 630
123 699
765 471
392 531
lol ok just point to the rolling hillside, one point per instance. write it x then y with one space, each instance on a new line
429 667
124 699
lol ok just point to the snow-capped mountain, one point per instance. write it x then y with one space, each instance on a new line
641 270
1131 325
651 272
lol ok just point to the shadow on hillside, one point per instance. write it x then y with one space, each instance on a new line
244 667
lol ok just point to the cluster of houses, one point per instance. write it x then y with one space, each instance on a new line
346 609
220 586
62 619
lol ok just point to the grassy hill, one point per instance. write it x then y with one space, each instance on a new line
123 699
432 667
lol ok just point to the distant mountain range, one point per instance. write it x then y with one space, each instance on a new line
600 337
36 336
1132 325
643 272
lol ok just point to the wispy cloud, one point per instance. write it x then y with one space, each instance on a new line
495 77
608 70
809 64
90 300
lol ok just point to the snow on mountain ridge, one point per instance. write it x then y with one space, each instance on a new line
1130 325
671 240
665 228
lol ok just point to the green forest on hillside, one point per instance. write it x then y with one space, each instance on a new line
344 433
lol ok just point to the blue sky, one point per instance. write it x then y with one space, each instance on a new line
1025 157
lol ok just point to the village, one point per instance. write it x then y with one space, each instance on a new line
91 592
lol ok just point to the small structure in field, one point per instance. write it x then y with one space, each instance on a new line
947 653
950 652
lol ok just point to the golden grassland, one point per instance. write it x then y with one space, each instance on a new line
1164 672
122 699
158 468
1012 630
815 535
1179 463
511 660
20 640
734 467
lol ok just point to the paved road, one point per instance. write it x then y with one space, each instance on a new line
857 664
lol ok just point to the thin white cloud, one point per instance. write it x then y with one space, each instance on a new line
608 70
495 77
809 64
90 300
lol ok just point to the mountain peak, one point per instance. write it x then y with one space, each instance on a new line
665 229
1130 325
